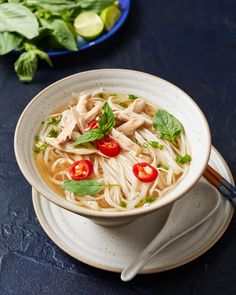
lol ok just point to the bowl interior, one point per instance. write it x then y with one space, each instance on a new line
158 91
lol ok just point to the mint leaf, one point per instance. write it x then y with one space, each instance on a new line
183 160
107 120
83 187
9 41
15 17
167 125
91 135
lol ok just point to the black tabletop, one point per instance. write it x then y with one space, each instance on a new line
193 45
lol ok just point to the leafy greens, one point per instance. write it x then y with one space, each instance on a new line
45 25
167 125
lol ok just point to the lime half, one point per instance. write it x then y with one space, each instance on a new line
88 25
110 16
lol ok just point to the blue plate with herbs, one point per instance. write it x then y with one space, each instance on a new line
39 29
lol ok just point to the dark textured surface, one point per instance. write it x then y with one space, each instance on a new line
190 43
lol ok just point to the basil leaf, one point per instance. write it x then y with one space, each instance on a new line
91 135
9 41
15 17
107 120
95 5
27 63
63 34
26 66
43 55
83 187
183 160
167 125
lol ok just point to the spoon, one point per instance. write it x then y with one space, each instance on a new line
186 214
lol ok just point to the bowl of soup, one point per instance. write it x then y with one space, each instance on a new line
112 144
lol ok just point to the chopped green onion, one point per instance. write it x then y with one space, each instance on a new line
154 144
36 138
183 160
54 120
132 96
140 204
150 199
53 132
162 166
145 145
49 120
57 119
123 204
39 147
122 104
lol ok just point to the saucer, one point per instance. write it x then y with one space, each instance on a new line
113 249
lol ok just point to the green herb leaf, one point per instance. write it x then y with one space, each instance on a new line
91 135
83 187
132 96
43 55
183 160
9 41
15 17
63 34
107 120
26 66
167 125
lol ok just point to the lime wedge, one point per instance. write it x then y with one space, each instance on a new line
110 16
88 25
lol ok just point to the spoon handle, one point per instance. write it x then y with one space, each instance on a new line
157 244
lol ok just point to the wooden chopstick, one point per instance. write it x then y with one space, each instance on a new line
219 182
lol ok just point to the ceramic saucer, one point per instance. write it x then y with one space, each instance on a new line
113 249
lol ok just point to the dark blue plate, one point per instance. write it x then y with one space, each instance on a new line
82 44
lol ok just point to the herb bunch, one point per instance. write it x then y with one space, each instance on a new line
36 26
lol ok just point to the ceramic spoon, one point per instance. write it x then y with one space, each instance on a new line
186 215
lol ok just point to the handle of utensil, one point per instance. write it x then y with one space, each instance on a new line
144 257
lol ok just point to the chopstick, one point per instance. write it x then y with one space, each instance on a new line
221 184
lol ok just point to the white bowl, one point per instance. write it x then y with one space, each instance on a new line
156 90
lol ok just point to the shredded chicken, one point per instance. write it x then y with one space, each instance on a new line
66 125
129 127
94 112
137 106
78 119
82 103
125 143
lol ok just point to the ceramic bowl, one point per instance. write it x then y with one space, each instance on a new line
156 90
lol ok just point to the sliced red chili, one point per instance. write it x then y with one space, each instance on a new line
92 125
145 172
108 146
81 169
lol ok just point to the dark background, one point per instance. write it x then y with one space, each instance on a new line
190 43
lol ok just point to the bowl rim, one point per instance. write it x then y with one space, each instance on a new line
101 214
